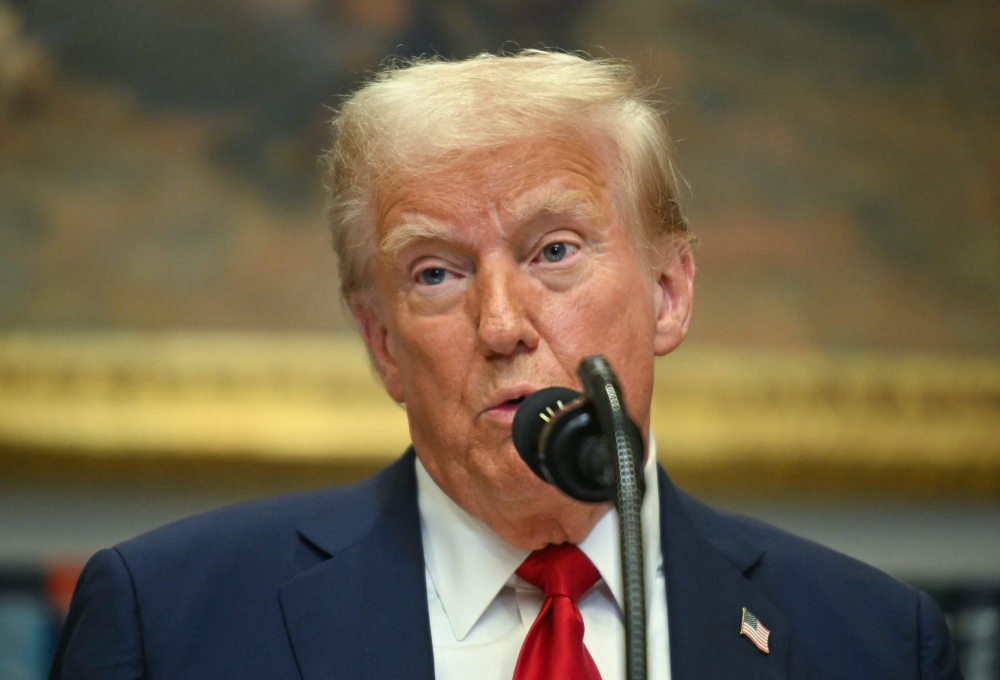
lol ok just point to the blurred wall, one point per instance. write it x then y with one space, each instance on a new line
842 157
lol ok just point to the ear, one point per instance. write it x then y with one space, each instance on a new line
674 293
375 334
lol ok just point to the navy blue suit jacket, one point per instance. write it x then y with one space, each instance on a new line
330 584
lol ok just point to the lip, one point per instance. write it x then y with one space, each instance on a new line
500 409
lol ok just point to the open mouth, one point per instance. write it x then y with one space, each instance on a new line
505 410
508 407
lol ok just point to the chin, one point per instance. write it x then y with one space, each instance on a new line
510 478
498 488
522 489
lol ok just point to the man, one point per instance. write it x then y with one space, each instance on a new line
497 220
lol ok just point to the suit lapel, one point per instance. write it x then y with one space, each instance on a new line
362 611
359 608
706 568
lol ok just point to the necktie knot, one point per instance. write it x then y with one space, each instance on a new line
554 647
560 570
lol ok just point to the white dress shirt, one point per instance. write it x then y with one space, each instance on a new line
481 611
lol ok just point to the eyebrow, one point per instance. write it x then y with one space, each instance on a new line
419 228
573 202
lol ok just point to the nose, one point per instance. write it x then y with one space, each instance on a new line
502 310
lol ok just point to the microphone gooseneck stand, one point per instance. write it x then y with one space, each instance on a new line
604 393
588 447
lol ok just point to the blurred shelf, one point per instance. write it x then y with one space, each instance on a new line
308 409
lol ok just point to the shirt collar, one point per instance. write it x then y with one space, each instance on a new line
469 563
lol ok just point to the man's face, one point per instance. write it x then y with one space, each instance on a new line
496 278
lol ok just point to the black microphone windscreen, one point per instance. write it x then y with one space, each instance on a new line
531 418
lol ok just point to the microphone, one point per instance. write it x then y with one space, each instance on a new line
588 447
557 433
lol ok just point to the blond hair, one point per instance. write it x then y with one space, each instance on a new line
428 113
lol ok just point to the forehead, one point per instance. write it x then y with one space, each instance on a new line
506 181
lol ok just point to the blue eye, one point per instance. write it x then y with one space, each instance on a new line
432 276
555 252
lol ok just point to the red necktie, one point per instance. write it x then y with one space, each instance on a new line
554 649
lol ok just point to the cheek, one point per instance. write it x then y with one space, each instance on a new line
613 307
435 355
612 315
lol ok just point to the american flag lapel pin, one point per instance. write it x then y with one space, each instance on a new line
755 630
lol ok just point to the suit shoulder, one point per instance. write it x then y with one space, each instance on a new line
234 523
794 566
845 614
256 530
